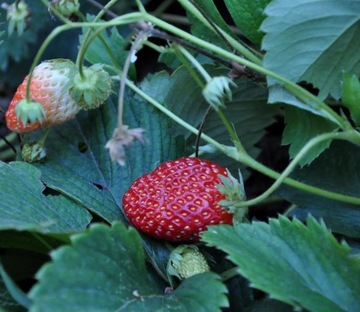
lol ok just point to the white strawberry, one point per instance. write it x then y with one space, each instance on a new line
51 103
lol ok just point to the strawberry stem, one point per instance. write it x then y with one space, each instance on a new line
141 36
180 55
247 160
290 168
140 6
87 39
229 274
235 44
85 45
255 65
44 137
196 63
207 78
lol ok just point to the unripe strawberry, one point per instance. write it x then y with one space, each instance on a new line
91 89
186 261
48 88
178 200
34 152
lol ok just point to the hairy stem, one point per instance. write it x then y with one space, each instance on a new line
290 168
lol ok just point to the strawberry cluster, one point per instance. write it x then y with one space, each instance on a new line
54 99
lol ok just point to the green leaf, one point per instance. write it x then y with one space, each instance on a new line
336 170
104 270
248 109
210 10
313 41
191 295
169 90
157 85
350 94
17 47
201 27
301 126
79 166
248 16
278 94
24 206
301 265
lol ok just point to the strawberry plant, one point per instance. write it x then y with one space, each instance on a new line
189 155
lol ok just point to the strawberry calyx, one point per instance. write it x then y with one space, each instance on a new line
234 192
186 261
28 111
216 89
91 88
17 15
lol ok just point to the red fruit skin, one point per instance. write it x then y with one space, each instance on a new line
177 201
46 88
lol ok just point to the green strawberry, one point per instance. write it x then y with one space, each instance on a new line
92 88
186 261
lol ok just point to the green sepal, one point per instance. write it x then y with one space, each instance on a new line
17 15
234 192
29 111
350 94
216 89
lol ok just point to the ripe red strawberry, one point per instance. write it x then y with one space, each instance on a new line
49 88
178 200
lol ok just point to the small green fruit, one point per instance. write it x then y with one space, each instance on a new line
34 152
186 261
92 88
